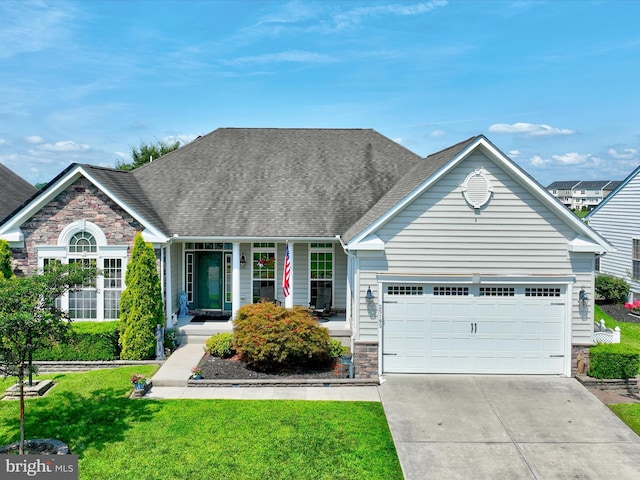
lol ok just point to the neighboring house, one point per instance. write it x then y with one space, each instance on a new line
579 195
14 191
454 263
617 219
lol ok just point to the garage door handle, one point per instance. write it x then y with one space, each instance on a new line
556 356
474 327
390 354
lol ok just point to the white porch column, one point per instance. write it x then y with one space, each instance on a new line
168 288
235 280
288 302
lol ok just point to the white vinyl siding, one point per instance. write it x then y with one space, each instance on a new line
439 234
617 221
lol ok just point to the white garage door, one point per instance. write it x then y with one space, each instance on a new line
473 329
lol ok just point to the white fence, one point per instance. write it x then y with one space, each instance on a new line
606 335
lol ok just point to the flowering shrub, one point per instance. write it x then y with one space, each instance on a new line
271 337
634 307
139 379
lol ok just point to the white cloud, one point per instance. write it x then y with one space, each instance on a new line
538 161
291 56
626 154
514 153
398 140
572 158
355 16
32 26
437 134
34 139
65 146
530 129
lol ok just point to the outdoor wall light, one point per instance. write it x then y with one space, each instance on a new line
369 296
243 261
582 296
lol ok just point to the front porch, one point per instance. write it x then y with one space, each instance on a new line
189 332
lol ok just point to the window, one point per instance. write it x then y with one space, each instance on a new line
263 271
635 258
321 273
83 301
112 287
541 292
82 242
404 290
451 291
497 292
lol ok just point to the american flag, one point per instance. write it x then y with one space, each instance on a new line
286 275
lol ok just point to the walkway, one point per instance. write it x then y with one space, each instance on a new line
170 381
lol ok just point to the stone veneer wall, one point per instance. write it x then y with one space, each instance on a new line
579 360
365 358
80 201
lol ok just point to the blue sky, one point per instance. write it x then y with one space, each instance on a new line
553 84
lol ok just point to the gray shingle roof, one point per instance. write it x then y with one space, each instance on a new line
238 182
125 187
407 184
563 185
14 191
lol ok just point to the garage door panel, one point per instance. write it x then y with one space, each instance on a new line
507 327
440 326
471 333
486 345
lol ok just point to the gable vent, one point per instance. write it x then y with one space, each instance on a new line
477 189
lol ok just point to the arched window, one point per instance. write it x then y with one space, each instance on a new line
82 242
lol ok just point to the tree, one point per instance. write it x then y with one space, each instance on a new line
147 152
141 306
6 269
30 319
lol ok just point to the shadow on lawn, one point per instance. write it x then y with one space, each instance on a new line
83 421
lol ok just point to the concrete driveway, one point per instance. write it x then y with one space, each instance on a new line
505 427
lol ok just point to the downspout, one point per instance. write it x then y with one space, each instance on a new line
351 266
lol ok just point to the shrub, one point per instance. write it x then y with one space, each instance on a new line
6 269
611 289
141 306
220 345
615 360
89 341
336 348
270 337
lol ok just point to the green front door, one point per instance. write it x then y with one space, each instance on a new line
209 281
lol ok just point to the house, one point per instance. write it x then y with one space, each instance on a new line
454 263
617 219
582 195
14 191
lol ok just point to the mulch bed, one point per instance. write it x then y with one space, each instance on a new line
216 368
618 312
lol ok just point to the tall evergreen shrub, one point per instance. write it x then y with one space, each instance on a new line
6 270
141 307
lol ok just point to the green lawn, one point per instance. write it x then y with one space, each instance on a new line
116 437
629 332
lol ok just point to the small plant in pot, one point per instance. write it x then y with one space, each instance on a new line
196 373
139 381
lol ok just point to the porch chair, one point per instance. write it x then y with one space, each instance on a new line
323 303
